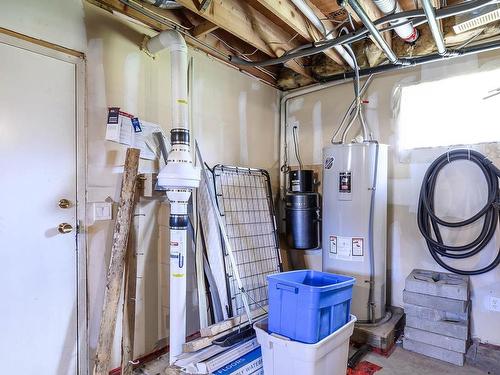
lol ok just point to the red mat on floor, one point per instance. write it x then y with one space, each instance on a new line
364 368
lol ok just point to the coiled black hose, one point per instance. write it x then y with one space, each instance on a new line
429 223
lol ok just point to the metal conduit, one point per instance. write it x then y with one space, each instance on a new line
358 9
318 47
430 13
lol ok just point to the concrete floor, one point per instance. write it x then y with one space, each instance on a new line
403 362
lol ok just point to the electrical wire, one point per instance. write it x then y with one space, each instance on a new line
429 223
296 147
360 34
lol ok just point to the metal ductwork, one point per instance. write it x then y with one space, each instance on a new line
407 31
165 4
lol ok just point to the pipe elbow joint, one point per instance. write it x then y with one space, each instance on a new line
168 39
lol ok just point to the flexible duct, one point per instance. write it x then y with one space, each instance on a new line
306 10
407 32
178 177
165 4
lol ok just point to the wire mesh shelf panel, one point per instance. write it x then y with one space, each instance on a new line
245 202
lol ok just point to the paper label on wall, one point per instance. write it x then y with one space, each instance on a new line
347 248
128 130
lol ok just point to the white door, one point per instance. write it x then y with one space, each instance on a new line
38 276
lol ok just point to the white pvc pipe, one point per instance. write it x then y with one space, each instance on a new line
175 43
306 10
179 177
406 32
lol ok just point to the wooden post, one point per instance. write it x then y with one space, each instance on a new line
128 322
114 277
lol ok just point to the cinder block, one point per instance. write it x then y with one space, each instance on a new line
434 339
427 313
438 303
438 284
434 352
459 330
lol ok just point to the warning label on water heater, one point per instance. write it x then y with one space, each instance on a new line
347 248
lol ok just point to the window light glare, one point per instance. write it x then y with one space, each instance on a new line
450 112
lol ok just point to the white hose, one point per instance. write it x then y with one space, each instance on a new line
407 32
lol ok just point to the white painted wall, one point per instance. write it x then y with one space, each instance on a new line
234 119
318 114
56 21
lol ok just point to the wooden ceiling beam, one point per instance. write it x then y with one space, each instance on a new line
204 28
289 14
116 5
249 25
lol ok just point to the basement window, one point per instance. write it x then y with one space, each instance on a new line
461 110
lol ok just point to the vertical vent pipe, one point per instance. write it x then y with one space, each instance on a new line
407 32
179 177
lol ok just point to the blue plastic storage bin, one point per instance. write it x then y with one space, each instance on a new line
308 305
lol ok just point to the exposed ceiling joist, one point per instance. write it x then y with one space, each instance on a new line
374 13
246 23
206 43
204 28
290 15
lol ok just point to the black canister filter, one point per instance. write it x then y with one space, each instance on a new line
302 218
301 181
302 210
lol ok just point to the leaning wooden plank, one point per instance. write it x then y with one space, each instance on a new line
204 342
227 324
128 321
114 277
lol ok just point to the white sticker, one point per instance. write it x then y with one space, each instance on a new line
333 244
344 246
350 249
357 247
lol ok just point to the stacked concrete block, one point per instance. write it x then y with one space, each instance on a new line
437 307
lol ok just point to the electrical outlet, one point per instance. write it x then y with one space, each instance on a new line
494 304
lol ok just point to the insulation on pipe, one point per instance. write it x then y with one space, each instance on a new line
407 32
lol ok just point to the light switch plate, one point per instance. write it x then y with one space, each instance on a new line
103 211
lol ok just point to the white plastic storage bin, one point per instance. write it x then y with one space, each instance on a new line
282 356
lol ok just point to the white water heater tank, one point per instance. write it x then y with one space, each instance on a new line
348 181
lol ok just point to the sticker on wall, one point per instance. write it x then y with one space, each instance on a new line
349 249
329 162
136 124
357 247
333 244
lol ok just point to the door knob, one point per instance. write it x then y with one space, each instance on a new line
64 203
64 228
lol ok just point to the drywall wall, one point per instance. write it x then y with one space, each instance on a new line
57 21
318 114
234 119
